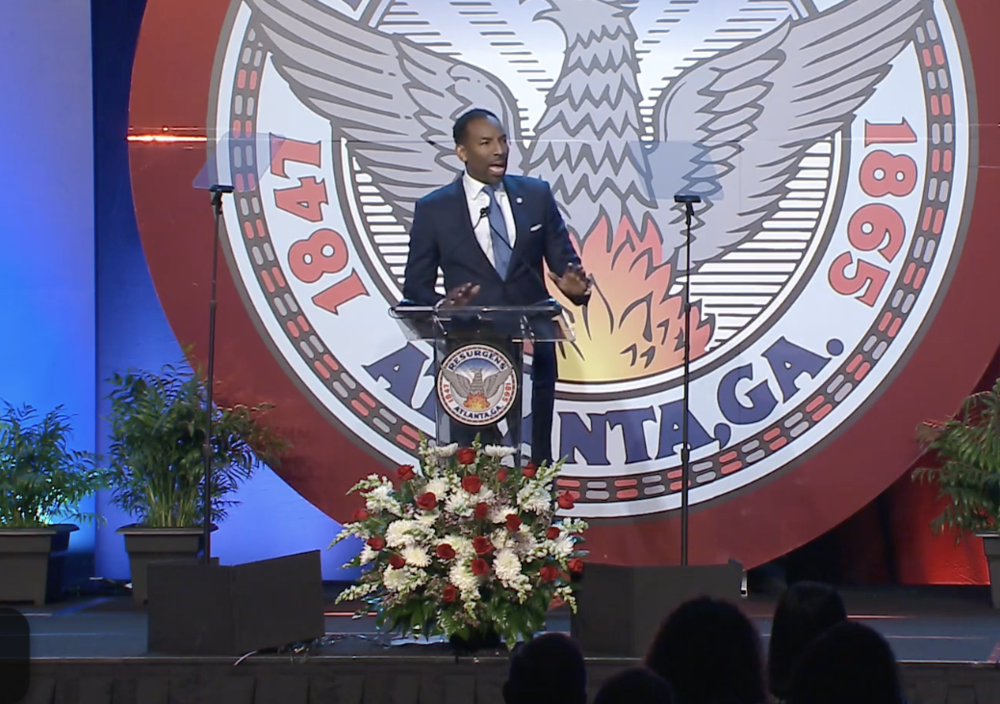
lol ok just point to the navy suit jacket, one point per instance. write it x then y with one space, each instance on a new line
442 236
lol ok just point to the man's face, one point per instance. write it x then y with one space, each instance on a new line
484 150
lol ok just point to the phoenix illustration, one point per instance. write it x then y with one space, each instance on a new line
479 392
739 122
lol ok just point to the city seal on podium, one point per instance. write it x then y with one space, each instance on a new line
477 385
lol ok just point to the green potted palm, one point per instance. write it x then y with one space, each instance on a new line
965 466
158 423
42 480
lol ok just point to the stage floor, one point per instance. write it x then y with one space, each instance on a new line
923 625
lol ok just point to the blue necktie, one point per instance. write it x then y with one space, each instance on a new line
498 232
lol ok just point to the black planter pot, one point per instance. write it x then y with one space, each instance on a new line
145 545
991 548
476 642
32 561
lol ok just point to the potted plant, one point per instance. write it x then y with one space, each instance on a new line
158 469
42 479
965 450
465 547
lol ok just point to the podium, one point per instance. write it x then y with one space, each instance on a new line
479 364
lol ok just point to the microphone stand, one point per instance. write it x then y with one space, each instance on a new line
688 202
217 192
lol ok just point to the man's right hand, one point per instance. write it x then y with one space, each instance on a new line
459 296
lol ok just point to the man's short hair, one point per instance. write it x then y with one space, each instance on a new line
548 669
462 123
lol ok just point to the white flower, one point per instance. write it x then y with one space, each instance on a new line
499 515
428 520
499 451
461 576
438 487
462 546
367 555
459 504
415 556
395 580
444 451
506 565
501 538
533 497
562 546
396 535
379 499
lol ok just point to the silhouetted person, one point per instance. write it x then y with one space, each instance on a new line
806 610
637 685
548 669
709 652
849 663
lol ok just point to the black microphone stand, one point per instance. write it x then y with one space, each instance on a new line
688 202
217 192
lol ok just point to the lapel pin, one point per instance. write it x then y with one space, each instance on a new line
518 200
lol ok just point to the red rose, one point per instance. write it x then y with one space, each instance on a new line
466 456
548 573
396 561
575 565
502 475
446 552
482 510
427 501
513 522
405 472
472 484
482 545
376 543
359 515
480 567
529 470
449 594
565 501
552 533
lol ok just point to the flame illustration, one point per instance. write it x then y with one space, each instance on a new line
632 327
476 402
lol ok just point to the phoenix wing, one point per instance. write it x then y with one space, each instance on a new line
493 382
393 100
740 123
461 386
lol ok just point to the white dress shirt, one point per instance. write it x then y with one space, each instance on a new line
477 200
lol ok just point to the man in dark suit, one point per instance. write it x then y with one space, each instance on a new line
489 233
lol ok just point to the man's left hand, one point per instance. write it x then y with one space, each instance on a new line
574 283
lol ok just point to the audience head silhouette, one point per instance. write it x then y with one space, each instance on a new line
709 652
636 685
849 663
548 669
806 610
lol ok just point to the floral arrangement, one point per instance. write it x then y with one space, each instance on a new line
466 546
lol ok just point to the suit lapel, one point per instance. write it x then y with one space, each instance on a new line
515 197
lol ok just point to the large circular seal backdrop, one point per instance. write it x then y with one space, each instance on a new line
841 277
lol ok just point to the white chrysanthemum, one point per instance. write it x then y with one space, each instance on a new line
507 565
501 538
534 498
427 520
379 499
398 533
395 580
460 503
526 544
438 487
367 555
499 451
499 515
462 546
562 546
461 576
415 557
444 451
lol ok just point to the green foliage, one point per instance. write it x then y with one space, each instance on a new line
41 477
157 447
967 449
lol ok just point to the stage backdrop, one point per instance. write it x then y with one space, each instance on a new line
842 260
